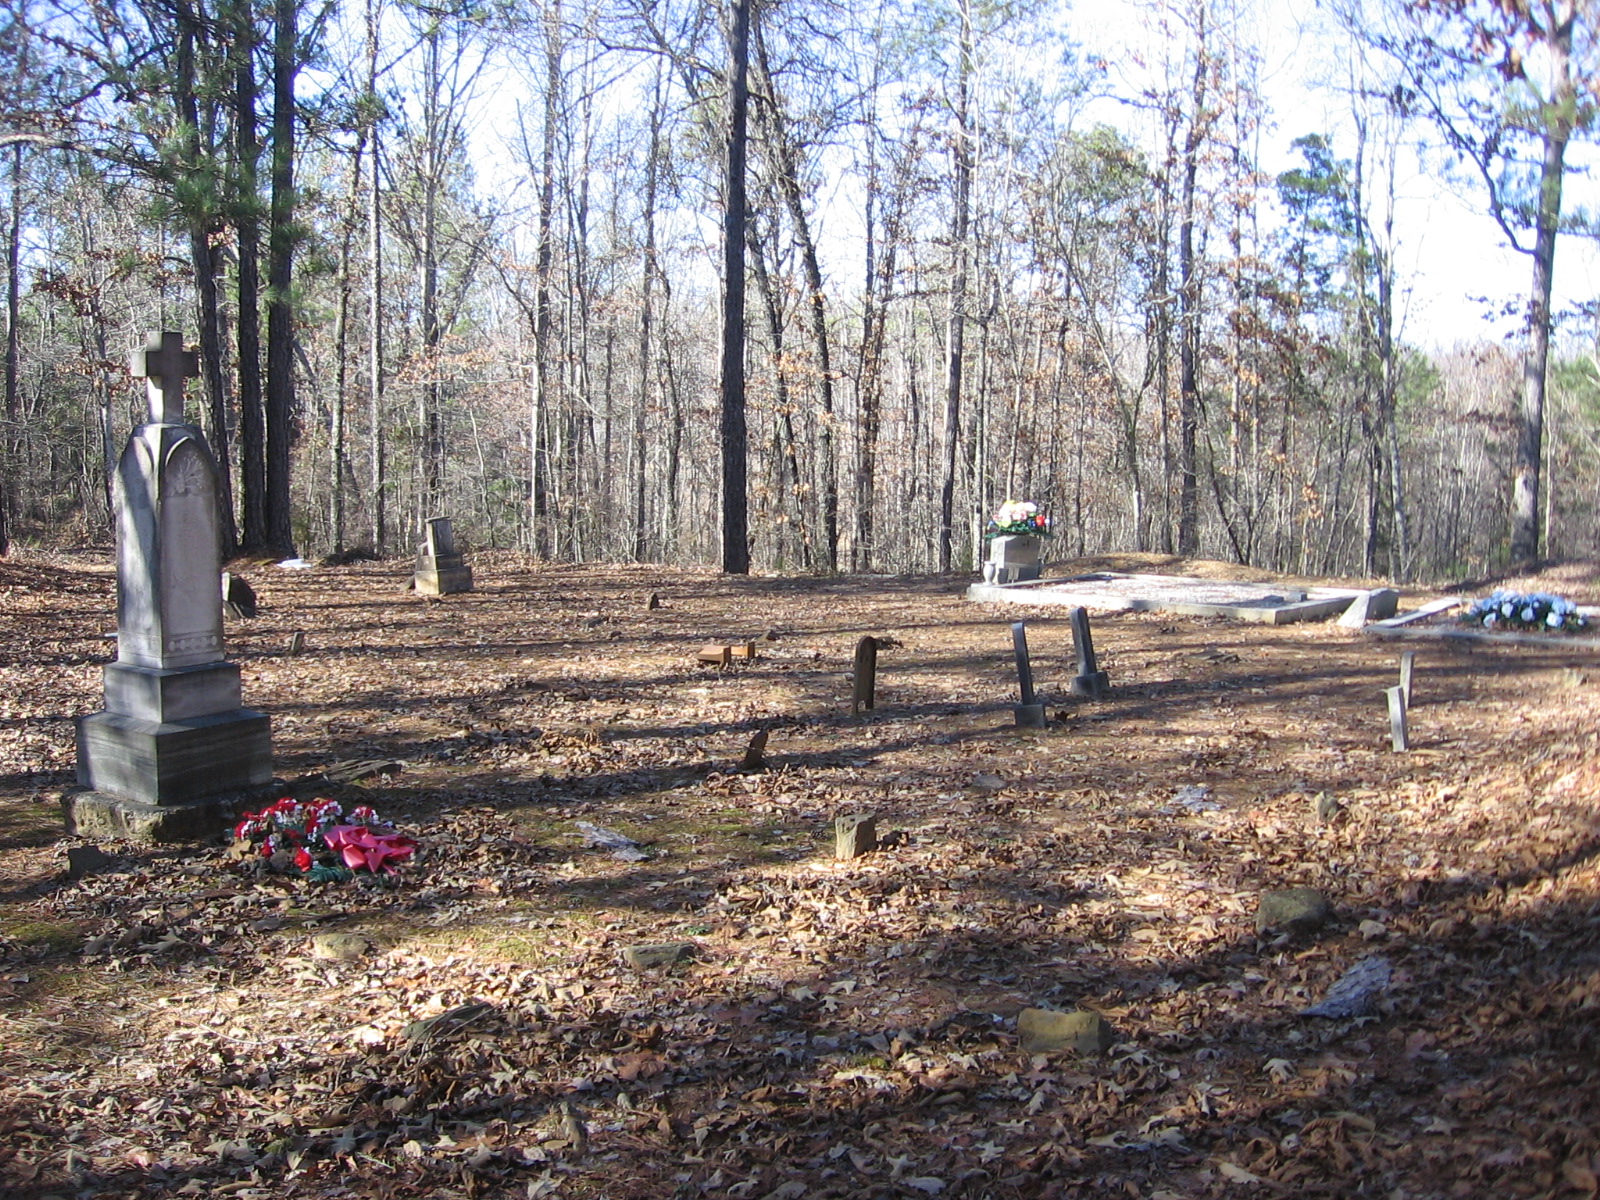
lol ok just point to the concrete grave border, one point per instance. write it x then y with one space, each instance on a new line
1315 603
1403 626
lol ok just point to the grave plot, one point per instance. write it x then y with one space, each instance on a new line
1268 604
1203 927
1439 620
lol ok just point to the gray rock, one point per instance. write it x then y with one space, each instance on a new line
658 954
1327 807
1043 1031
1292 910
1355 992
339 947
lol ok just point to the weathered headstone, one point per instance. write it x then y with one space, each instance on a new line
441 569
1377 604
238 597
1399 735
1408 667
1013 558
864 693
854 836
1030 713
174 748
1090 680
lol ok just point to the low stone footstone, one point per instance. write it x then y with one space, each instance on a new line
339 947
86 860
652 602
854 836
716 656
1327 807
1043 1031
1292 910
441 569
658 954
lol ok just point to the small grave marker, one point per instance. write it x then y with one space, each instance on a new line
718 656
297 641
854 836
653 603
864 693
1090 680
755 752
1398 734
1030 713
1408 665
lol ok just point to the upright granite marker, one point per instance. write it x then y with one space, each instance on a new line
441 569
174 750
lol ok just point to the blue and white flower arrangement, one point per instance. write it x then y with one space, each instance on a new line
1535 611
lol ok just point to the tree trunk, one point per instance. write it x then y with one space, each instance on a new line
1526 463
252 422
201 223
541 539
735 502
280 280
646 329
1189 297
377 447
10 440
956 321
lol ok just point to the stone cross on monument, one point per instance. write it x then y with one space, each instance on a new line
174 751
164 364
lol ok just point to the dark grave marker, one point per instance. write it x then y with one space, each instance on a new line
1030 713
865 692
1090 680
755 752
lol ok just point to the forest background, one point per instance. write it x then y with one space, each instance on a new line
472 258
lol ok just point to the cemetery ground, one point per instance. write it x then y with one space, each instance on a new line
173 1024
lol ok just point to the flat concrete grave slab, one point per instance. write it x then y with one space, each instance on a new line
1269 604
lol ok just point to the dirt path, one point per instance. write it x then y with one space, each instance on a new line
844 1029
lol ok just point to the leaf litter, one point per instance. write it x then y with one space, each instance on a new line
843 1029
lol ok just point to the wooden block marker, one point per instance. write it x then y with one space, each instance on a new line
755 752
865 690
745 650
719 656
1408 664
854 836
1398 734
1030 713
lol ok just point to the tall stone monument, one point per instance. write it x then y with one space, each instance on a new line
174 750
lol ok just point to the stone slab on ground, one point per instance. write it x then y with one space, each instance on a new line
1292 910
658 954
1271 604
1042 1031
1548 641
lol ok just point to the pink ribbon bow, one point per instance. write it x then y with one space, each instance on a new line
363 847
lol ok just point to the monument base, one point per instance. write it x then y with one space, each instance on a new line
174 762
1029 716
172 694
97 815
1093 685
442 581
